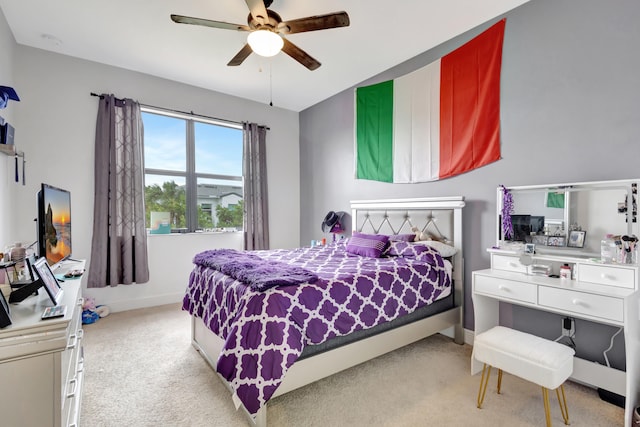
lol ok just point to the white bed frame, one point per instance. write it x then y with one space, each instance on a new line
441 216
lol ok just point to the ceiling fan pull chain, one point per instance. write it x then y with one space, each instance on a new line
270 87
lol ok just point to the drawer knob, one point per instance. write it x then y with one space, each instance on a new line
73 385
503 288
576 301
607 276
73 341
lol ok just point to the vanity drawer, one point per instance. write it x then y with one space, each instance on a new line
607 275
505 289
508 263
599 306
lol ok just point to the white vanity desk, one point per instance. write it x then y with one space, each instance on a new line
598 292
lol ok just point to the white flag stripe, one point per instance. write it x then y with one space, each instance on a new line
426 142
402 129
416 125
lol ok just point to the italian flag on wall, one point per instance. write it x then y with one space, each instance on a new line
436 122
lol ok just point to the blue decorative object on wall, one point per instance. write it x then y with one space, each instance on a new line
7 93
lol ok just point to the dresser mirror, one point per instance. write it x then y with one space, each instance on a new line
569 218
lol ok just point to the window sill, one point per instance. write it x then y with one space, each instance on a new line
206 233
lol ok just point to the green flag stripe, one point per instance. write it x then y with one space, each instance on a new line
374 132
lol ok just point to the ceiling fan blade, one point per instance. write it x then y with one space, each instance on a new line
258 10
241 56
313 23
299 55
208 23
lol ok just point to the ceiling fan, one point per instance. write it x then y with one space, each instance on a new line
266 30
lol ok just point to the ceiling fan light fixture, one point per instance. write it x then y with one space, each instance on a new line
265 42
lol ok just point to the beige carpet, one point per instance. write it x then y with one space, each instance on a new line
141 370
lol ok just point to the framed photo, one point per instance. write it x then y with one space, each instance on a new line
556 241
539 239
49 281
529 248
5 318
576 239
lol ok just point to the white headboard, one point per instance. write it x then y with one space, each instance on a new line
440 216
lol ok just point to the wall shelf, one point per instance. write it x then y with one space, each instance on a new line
8 149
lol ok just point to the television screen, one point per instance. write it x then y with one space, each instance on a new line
54 224
521 227
537 224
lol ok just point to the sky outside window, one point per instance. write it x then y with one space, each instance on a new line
218 150
164 142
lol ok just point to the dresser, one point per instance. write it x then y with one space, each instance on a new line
41 360
598 292
541 228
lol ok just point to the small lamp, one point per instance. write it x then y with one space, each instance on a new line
265 42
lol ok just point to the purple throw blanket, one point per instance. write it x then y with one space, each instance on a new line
258 273
264 332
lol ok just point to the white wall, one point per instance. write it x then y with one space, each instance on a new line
7 45
170 258
55 127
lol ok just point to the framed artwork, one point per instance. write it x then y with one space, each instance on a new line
576 239
529 248
539 239
49 281
556 241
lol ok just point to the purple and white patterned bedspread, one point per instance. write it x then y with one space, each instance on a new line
266 331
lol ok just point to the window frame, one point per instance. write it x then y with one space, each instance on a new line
190 175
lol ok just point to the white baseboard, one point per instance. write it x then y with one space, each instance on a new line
469 336
135 303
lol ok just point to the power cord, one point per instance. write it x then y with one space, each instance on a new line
604 353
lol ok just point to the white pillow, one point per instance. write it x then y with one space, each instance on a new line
445 250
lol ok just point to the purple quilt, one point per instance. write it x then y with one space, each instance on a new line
266 331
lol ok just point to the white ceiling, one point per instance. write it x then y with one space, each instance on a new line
139 35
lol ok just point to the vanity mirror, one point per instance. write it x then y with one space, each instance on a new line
571 217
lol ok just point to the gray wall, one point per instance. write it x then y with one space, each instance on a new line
570 106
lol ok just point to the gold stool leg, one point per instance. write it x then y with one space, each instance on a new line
564 409
499 379
483 384
547 412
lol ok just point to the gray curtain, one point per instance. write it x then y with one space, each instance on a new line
119 243
256 206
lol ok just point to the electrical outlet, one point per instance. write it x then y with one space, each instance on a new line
568 327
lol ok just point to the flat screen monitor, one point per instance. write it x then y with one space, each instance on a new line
537 224
54 224
521 227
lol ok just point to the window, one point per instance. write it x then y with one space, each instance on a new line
193 171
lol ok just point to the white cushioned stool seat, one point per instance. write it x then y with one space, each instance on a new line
543 362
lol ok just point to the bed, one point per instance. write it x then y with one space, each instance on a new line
281 337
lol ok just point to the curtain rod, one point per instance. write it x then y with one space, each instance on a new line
189 113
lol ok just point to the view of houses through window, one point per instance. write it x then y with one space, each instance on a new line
193 173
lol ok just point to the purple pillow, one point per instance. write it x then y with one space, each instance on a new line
402 237
369 245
